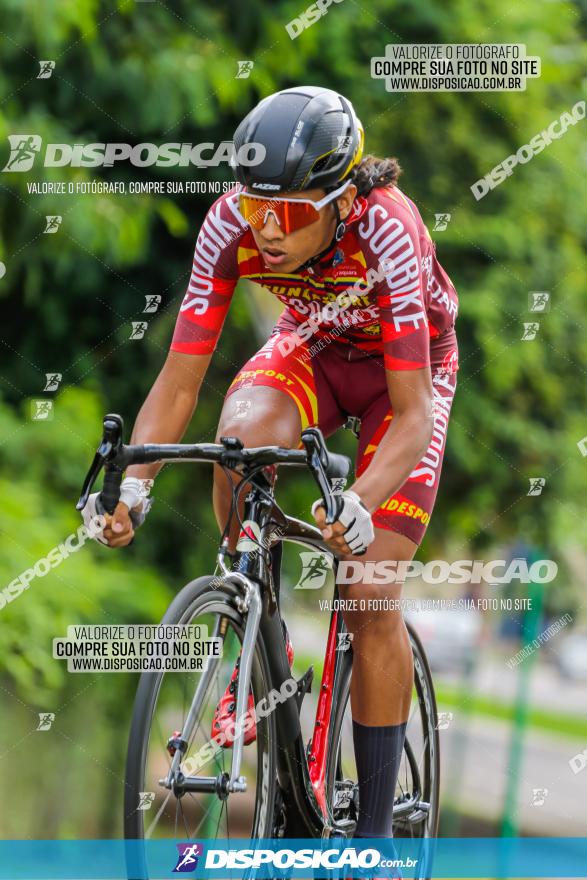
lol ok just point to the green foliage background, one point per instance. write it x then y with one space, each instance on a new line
165 71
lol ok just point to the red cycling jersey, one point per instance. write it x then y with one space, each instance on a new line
401 297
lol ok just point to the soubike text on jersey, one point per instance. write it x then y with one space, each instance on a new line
386 260
373 239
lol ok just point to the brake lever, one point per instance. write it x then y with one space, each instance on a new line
108 449
91 477
314 444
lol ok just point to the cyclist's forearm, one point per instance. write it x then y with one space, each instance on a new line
168 408
402 447
162 419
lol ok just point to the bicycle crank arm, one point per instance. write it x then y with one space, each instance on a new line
422 810
412 809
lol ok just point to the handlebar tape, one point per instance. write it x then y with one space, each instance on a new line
110 494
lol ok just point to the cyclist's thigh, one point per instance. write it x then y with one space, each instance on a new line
408 511
260 416
281 391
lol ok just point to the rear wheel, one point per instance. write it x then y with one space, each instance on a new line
417 789
161 706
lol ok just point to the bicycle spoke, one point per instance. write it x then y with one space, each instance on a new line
185 824
163 741
220 817
156 819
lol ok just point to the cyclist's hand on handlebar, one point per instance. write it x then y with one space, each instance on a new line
119 530
91 519
353 531
332 534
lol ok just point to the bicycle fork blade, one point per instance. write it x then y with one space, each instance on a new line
238 782
192 717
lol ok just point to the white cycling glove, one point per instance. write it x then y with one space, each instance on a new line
89 516
133 492
360 532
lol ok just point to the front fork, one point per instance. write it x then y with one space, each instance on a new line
257 513
250 605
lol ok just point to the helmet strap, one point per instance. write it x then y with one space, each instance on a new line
339 231
340 224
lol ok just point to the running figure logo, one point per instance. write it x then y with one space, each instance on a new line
46 69
343 142
537 484
539 301
441 222
42 410
53 381
244 69
188 857
138 329
530 330
24 148
53 222
46 719
344 641
314 571
152 302
146 799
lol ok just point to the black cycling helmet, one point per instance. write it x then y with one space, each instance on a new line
312 138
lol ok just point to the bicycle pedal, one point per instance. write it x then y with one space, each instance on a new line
304 686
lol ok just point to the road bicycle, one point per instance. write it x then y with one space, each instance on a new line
279 785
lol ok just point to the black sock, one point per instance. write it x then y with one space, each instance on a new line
378 752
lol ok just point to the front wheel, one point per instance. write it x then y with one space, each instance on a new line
161 706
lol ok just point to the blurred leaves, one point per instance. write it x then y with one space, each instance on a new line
41 463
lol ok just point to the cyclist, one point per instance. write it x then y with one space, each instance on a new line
367 331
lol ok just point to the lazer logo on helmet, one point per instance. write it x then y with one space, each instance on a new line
309 17
272 186
24 149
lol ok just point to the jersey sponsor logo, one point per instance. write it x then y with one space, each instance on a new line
388 238
406 508
450 362
216 234
427 470
435 289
